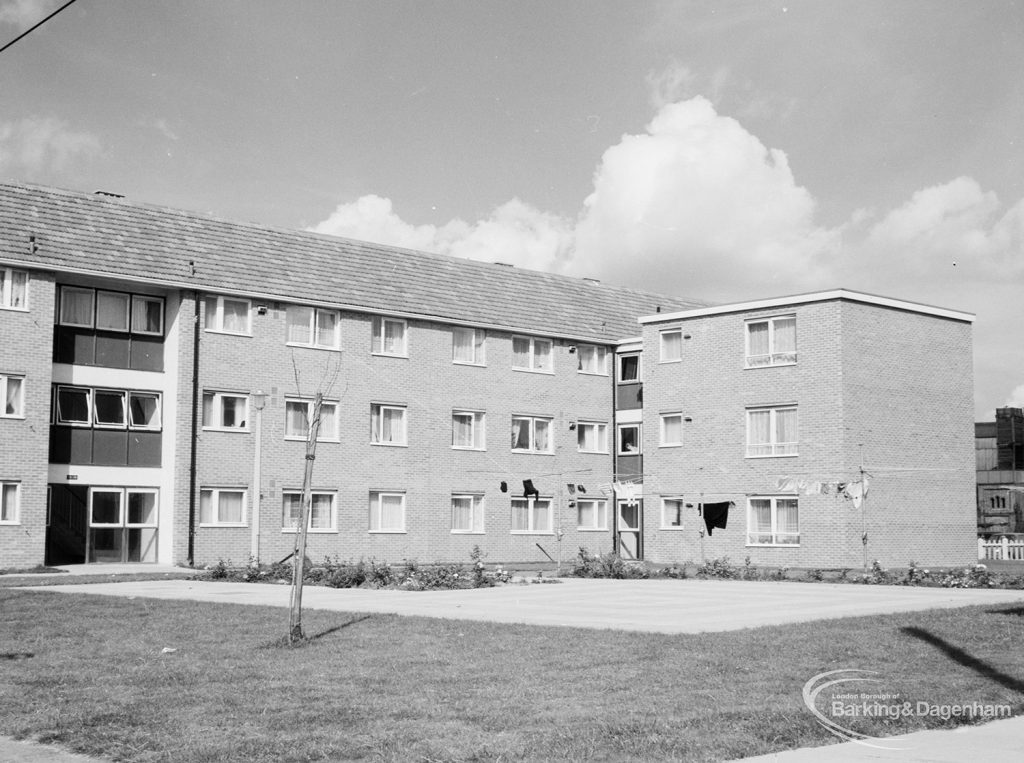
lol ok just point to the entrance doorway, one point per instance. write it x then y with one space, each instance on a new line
101 524
628 529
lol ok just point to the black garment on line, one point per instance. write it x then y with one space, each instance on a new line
529 489
715 514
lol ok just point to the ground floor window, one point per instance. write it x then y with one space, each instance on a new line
387 512
9 494
532 515
321 511
672 513
222 507
592 514
773 522
467 513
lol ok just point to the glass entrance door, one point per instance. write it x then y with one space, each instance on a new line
122 525
628 529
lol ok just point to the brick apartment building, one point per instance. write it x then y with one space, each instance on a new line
157 372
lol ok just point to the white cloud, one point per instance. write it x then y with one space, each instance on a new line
22 14
43 144
1016 398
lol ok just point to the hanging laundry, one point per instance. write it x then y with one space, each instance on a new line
716 514
529 489
605 488
503 486
857 491
628 491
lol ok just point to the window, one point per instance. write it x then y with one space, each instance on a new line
224 410
313 327
228 315
387 512
629 368
468 430
220 506
771 342
592 514
592 437
530 354
10 493
671 429
12 396
531 434
629 440
672 513
76 306
671 346
147 315
389 337
321 511
593 359
467 514
771 431
110 409
531 515
299 413
468 346
112 310
13 289
144 410
773 522
74 406
387 424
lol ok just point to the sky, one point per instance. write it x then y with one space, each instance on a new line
722 151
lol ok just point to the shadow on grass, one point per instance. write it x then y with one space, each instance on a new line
16 655
957 654
1018 611
283 641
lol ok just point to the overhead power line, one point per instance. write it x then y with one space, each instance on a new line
36 26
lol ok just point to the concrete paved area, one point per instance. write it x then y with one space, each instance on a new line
12 751
654 606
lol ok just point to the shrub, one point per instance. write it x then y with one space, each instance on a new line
718 568
588 565
977 576
877 576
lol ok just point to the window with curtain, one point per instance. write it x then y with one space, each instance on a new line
773 522
9 494
221 506
76 306
772 431
531 354
312 327
112 310
389 337
593 359
13 289
591 437
672 513
299 413
228 315
147 315
532 516
387 512
771 342
468 346
591 514
467 513
671 345
629 368
629 440
225 410
387 424
12 396
531 434
671 429
468 430
321 511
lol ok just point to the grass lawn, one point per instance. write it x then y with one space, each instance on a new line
88 672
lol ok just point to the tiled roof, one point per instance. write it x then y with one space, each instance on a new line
96 234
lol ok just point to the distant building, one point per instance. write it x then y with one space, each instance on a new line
157 372
999 449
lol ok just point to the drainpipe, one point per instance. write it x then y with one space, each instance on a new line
194 435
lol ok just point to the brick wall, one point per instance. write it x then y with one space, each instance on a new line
26 349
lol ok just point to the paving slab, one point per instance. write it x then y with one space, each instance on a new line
14 751
652 606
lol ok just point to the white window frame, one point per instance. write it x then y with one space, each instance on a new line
533 434
159 411
61 320
7 289
600 513
532 355
215 494
663 356
377 336
144 298
290 526
320 437
377 430
312 325
619 428
121 296
123 395
776 449
677 510
772 358
478 429
19 408
476 514
531 525
639 368
218 411
215 322
376 515
478 345
600 359
601 428
664 442
59 419
10 515
776 534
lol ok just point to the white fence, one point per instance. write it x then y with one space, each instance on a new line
1005 547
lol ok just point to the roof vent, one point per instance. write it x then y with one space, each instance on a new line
109 194
592 280
505 264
